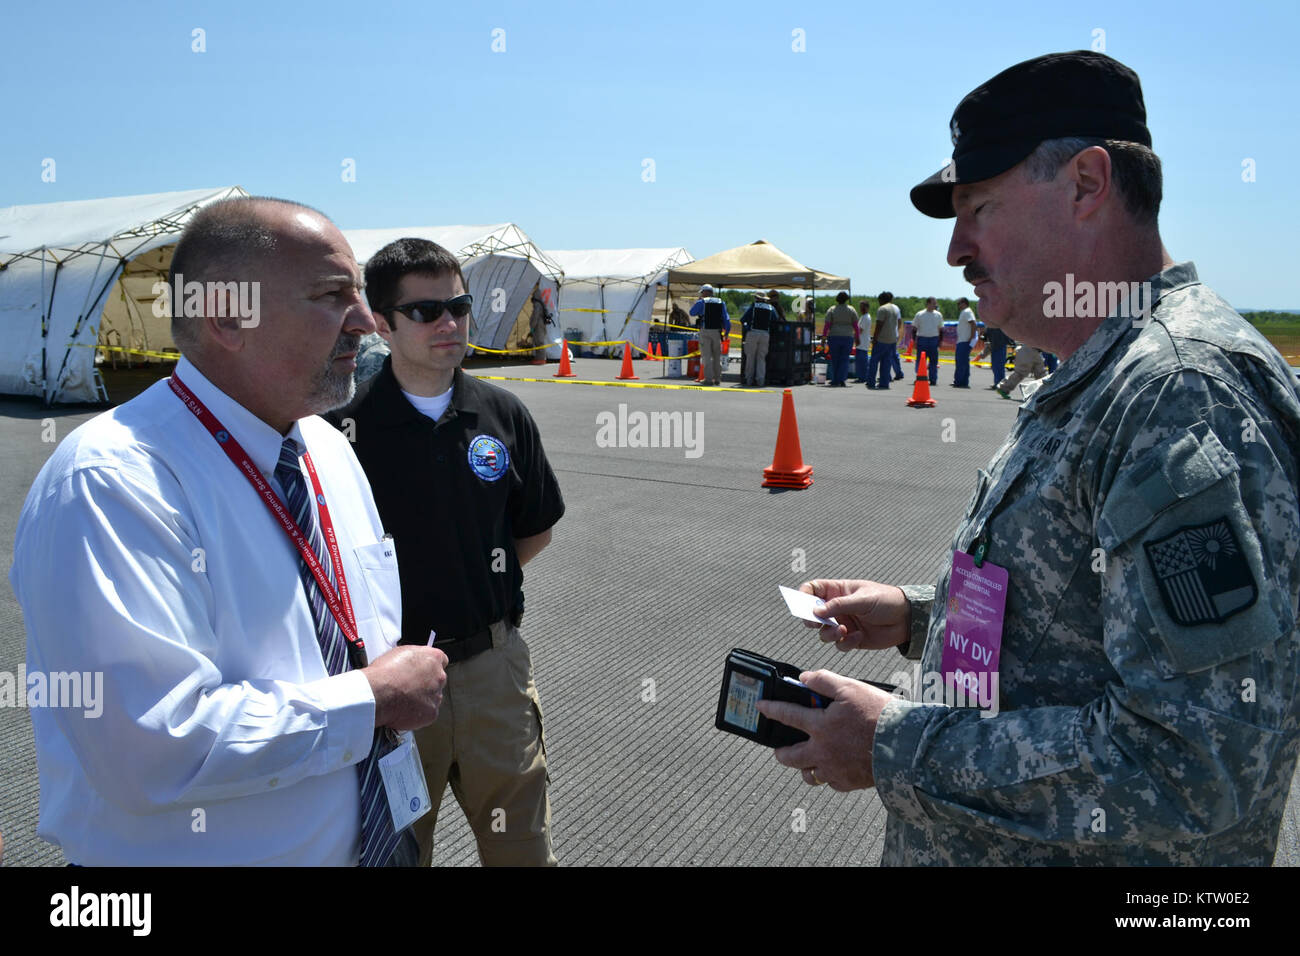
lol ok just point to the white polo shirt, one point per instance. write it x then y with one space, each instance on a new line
928 324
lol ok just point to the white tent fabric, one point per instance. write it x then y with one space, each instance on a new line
77 275
501 265
610 294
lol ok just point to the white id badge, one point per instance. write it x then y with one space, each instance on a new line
408 795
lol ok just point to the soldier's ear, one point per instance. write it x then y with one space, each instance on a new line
1089 174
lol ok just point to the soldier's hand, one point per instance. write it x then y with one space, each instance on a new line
407 683
840 737
869 614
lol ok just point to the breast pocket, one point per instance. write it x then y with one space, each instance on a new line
383 596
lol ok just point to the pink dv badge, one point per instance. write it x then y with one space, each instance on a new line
972 640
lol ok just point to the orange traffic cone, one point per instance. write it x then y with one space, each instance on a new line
921 390
626 371
726 343
565 371
787 469
910 342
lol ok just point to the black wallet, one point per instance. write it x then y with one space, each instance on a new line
748 678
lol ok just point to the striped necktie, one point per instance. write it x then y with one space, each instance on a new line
379 843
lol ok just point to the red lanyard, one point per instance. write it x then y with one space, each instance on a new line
340 604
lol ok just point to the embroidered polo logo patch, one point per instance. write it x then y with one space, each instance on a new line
1202 573
488 457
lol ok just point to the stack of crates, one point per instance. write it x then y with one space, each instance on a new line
789 355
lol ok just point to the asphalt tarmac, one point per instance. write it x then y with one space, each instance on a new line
666 558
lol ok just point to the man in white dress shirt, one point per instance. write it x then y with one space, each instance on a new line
144 553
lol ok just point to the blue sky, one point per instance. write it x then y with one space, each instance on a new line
814 151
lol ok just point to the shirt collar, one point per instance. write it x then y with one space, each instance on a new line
260 440
1104 338
394 410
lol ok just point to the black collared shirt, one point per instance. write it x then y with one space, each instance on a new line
454 495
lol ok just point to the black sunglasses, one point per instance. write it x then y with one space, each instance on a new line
430 310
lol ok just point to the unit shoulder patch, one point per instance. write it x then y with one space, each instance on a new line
1203 574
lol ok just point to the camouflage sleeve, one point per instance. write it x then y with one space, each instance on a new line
373 350
920 597
1193 500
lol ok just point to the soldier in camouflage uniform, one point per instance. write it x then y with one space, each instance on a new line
1145 509
370 357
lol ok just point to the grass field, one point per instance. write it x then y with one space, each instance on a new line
1285 337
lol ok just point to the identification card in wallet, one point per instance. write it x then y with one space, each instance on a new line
748 678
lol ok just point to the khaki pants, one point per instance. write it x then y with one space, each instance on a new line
487 743
711 355
756 343
1029 362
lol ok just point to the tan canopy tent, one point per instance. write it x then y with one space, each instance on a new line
759 265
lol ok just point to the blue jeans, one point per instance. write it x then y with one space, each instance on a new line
898 364
839 346
998 356
962 375
880 358
861 362
929 344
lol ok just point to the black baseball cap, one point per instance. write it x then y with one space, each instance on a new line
1000 122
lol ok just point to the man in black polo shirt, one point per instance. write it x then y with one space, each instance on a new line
460 478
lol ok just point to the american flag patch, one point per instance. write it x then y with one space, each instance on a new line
1202 573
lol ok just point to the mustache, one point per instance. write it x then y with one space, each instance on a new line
974 272
346 343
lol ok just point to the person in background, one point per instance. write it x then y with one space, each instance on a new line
774 300
840 331
884 342
1029 364
862 356
967 336
714 323
757 324
927 326
995 347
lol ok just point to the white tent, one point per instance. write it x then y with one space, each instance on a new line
77 276
502 267
611 294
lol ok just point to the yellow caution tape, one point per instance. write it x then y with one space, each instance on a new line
527 348
173 356
578 381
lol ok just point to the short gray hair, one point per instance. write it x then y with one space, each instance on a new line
222 242
1135 170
